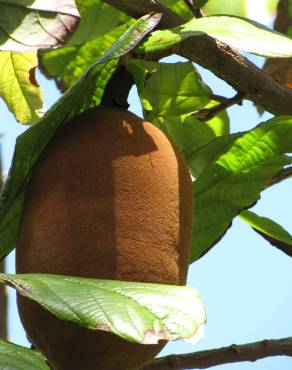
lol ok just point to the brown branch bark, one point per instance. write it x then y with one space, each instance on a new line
222 60
219 356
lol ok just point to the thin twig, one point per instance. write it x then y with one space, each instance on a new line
219 98
225 355
280 176
207 114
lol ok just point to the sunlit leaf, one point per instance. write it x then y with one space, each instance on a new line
219 124
269 230
86 92
66 64
257 10
214 7
18 86
169 89
14 357
198 159
233 180
179 7
156 311
191 134
170 94
237 32
97 19
187 132
28 25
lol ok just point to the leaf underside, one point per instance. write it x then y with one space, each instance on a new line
38 24
138 312
274 233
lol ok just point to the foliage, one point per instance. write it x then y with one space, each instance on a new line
149 304
229 170
17 357
19 88
234 31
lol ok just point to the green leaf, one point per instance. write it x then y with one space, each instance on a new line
290 8
269 230
19 88
14 357
169 93
97 19
237 32
214 7
31 144
169 89
187 132
179 7
232 181
192 137
220 123
241 8
199 158
28 25
200 3
191 134
137 312
66 64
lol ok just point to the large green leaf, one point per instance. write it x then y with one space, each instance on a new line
19 88
232 181
66 64
234 31
270 230
219 124
170 94
187 132
97 19
27 25
14 357
169 89
191 134
214 7
137 312
30 145
199 158
242 8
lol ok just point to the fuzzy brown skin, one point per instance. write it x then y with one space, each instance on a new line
110 198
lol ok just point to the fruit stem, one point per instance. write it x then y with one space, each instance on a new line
117 89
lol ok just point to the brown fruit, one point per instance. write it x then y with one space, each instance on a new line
109 198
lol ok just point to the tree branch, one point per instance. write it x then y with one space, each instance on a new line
219 58
208 113
219 356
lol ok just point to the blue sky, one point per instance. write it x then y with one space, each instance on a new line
245 283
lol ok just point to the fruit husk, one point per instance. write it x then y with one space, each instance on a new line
109 198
